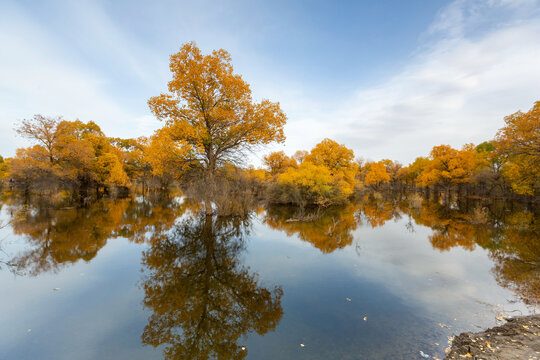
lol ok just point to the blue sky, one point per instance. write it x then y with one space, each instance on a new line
389 79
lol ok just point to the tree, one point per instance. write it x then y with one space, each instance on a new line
300 155
87 157
393 170
332 155
42 130
339 160
165 157
410 173
3 168
449 166
278 162
307 184
518 143
31 169
209 109
376 174
74 154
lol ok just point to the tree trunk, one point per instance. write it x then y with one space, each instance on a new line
209 190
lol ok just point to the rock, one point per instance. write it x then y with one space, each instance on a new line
519 338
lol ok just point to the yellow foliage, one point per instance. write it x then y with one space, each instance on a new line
278 162
210 109
3 168
377 174
325 176
410 173
519 145
449 166
69 152
339 160
166 156
111 172
313 183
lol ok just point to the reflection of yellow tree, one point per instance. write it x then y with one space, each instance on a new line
327 229
517 259
147 218
203 300
451 227
377 213
59 237
513 240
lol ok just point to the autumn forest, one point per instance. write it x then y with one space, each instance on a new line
211 237
211 123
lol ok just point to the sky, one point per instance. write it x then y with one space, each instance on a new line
389 79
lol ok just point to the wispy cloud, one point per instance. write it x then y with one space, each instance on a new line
477 63
39 75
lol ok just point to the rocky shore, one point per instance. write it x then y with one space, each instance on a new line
518 338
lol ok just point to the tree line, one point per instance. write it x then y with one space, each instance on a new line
211 123
506 166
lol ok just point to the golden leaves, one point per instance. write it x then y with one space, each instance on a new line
210 108
518 143
325 176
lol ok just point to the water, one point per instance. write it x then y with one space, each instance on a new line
154 279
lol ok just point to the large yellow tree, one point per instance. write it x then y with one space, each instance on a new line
449 166
376 175
209 109
518 143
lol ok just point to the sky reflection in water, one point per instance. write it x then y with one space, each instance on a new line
152 279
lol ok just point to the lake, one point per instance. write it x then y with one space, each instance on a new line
154 278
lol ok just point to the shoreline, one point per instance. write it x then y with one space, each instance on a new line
518 338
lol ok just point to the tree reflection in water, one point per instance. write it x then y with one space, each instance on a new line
326 229
60 237
508 231
56 238
510 234
203 300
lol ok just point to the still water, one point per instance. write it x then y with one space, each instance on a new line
151 278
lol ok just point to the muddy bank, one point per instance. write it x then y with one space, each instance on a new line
518 338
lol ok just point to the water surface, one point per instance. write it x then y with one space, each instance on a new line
154 278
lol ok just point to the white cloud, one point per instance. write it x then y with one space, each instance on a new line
476 63
456 90
36 77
